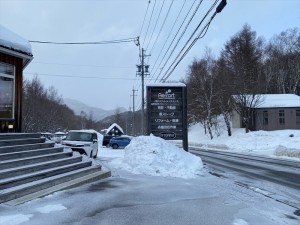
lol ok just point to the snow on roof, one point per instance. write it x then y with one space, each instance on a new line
59 133
12 41
270 100
114 125
84 130
279 101
166 85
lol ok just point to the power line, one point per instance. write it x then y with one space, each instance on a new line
200 35
144 17
88 43
78 65
85 77
149 23
162 25
183 32
162 5
168 37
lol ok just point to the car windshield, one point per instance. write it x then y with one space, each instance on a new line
79 136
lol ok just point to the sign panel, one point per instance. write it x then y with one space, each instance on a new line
166 107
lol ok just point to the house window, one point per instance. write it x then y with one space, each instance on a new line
265 118
297 117
7 91
281 117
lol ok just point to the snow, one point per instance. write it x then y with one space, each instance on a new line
240 222
272 100
153 156
114 125
14 219
13 41
279 101
279 143
166 85
155 182
51 208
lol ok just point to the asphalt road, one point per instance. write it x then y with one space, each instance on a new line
274 176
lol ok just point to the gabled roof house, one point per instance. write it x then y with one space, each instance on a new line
15 55
273 112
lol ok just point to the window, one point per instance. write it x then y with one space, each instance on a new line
281 117
297 117
7 91
265 118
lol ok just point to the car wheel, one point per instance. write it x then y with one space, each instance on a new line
115 146
95 156
91 155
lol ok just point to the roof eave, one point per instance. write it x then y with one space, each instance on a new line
26 58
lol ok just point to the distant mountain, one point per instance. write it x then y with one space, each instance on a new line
98 113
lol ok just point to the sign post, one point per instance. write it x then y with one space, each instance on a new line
167 111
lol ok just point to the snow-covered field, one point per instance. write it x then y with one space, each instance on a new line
280 143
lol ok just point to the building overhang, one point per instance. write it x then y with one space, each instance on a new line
26 58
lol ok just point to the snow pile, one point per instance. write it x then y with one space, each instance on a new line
290 152
154 156
283 143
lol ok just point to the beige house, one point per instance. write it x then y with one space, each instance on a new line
274 112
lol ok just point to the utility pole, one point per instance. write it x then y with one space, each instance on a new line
133 110
143 70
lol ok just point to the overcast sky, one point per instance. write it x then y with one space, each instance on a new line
104 75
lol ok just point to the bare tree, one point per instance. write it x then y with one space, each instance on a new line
282 66
224 93
243 58
202 95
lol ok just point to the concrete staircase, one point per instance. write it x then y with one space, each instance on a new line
30 167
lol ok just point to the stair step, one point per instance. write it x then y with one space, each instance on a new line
93 177
35 159
23 154
22 179
22 141
31 168
32 187
18 148
8 136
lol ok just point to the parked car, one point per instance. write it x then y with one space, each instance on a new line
82 141
119 142
106 139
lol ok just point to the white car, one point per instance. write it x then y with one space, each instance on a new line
82 141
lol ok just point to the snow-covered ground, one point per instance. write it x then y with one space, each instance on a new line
155 182
280 143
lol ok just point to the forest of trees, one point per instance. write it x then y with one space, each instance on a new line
246 67
45 111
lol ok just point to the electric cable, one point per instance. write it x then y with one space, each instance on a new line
149 22
190 38
183 32
144 18
87 43
168 37
162 5
162 26
200 35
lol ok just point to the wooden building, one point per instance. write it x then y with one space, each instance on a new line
15 55
274 112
